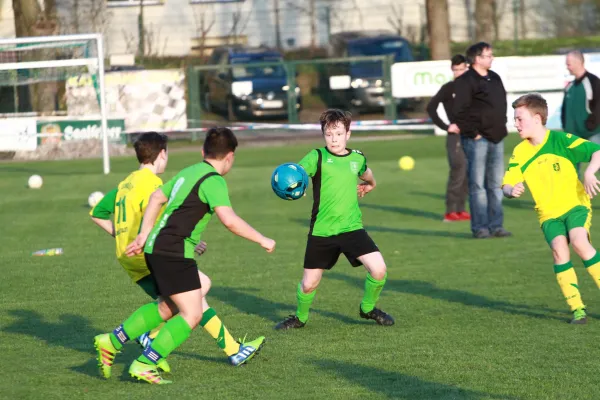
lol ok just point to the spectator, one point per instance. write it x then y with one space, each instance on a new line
479 111
580 114
457 188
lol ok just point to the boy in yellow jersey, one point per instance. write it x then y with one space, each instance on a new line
128 203
546 160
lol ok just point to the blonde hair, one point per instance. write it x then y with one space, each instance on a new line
535 104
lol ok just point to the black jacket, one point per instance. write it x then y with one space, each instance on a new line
445 96
480 105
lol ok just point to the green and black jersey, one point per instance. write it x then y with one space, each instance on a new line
334 178
193 195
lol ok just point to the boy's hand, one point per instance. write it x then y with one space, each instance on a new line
518 190
200 248
136 247
364 188
591 184
268 245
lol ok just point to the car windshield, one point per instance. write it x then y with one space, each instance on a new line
399 47
243 72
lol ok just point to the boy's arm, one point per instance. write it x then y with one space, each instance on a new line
512 184
241 228
432 107
591 183
368 183
157 199
102 212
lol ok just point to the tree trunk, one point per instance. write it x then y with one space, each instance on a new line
313 27
31 20
484 16
439 29
523 24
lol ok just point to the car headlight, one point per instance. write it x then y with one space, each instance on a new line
241 88
359 83
286 88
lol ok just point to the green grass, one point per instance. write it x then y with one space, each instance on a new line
474 319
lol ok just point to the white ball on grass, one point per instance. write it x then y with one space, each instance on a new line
94 198
35 182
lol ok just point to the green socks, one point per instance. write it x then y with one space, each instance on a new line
304 302
373 289
171 336
142 320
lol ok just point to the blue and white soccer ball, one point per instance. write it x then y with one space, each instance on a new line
289 181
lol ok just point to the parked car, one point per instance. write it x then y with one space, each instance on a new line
242 90
365 91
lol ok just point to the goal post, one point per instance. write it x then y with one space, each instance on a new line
55 59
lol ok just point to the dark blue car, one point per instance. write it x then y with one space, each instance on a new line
243 90
366 78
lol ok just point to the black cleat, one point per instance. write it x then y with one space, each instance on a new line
378 316
290 322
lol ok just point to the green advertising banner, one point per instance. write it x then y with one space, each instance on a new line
52 129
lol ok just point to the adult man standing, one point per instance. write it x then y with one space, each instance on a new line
581 105
480 113
457 188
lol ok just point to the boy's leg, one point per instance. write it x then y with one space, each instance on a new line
360 249
555 231
177 279
142 320
321 254
579 222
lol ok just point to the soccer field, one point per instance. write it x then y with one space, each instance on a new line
475 319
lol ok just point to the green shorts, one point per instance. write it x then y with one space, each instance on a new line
147 284
576 217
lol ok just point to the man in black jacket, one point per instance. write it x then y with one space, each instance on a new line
457 188
480 113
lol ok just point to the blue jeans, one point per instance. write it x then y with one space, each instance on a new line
485 171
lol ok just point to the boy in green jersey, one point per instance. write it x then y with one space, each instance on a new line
336 224
191 197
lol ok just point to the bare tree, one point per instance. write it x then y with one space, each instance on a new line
522 19
439 29
499 9
484 15
239 24
396 19
203 26
469 19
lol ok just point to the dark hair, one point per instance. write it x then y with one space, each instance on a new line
333 116
476 50
149 145
218 142
534 103
458 59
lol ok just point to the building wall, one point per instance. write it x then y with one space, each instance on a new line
173 25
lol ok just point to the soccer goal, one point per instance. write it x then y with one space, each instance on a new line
37 70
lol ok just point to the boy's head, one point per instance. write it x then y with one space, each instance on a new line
151 149
531 114
458 65
335 125
480 55
220 144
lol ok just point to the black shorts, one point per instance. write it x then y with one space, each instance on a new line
323 252
173 275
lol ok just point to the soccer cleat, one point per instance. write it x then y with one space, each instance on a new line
247 351
290 322
451 217
378 316
482 234
464 216
501 232
145 340
147 373
579 317
106 354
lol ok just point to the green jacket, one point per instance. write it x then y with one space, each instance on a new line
580 114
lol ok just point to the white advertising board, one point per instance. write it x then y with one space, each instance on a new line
18 134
